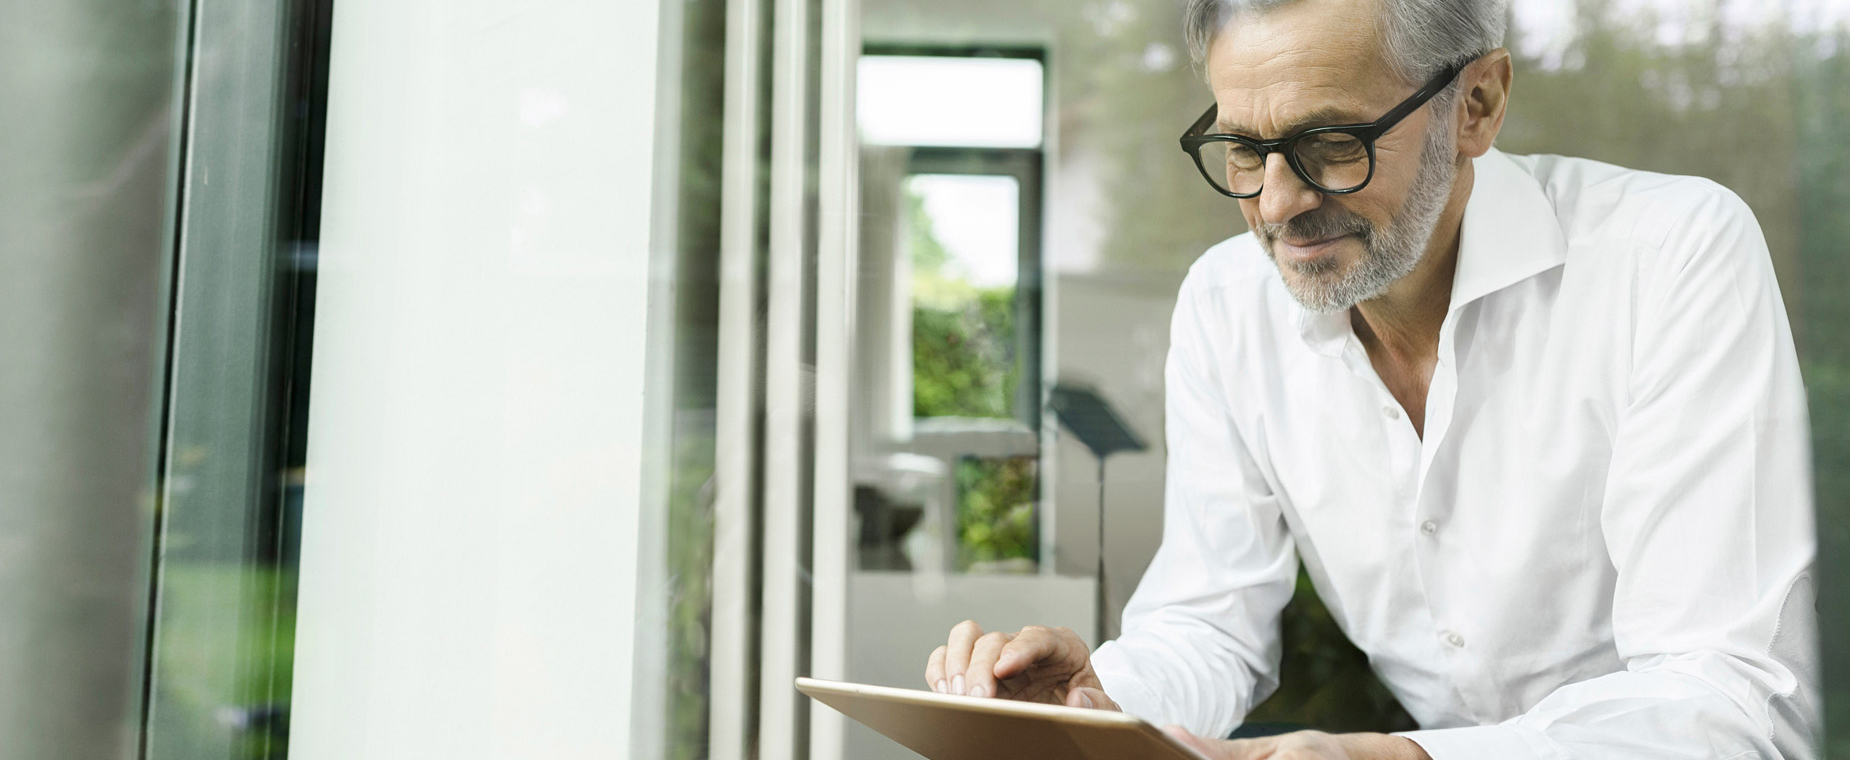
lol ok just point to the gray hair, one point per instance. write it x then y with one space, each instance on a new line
1420 37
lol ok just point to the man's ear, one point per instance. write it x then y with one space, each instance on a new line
1484 95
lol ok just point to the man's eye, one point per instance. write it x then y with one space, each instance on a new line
1331 148
1244 158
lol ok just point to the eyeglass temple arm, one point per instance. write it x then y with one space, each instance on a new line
1432 87
1201 125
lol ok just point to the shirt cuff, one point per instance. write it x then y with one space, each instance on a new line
1504 742
1132 695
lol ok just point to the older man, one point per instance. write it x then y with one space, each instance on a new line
1533 425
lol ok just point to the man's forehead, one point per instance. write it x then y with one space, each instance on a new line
1288 121
1303 64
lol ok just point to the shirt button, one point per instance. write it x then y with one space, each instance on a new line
1454 639
1429 527
1390 412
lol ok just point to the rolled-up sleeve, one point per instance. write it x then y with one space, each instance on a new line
1707 519
1200 637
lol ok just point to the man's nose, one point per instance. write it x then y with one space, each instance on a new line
1285 194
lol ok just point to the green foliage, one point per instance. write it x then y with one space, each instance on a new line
1324 681
209 661
963 337
963 362
690 567
690 517
995 509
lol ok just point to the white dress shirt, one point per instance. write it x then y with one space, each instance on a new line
1602 546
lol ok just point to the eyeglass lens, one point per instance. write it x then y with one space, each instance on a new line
1330 160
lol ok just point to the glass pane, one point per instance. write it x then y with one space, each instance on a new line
686 690
1233 166
995 514
1334 161
90 118
222 668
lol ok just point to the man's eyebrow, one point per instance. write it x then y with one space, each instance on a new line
1321 117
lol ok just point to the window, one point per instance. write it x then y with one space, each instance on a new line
960 133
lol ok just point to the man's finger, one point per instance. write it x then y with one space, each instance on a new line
934 671
1037 644
957 654
980 678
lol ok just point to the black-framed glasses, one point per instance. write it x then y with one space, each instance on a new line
1335 159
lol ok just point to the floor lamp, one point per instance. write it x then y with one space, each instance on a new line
1091 419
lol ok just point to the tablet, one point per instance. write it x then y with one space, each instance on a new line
947 727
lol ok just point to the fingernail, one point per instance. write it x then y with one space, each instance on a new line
940 688
1085 700
957 685
979 691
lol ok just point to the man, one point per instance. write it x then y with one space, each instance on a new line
1533 425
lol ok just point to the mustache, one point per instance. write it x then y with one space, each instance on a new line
1321 224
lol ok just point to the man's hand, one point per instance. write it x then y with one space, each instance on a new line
1036 664
1305 745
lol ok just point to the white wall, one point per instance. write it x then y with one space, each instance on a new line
476 436
1114 335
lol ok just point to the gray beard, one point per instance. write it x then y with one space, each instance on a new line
1387 254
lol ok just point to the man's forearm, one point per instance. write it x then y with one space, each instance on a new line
1307 745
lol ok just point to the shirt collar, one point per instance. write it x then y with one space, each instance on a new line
1510 232
1508 235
